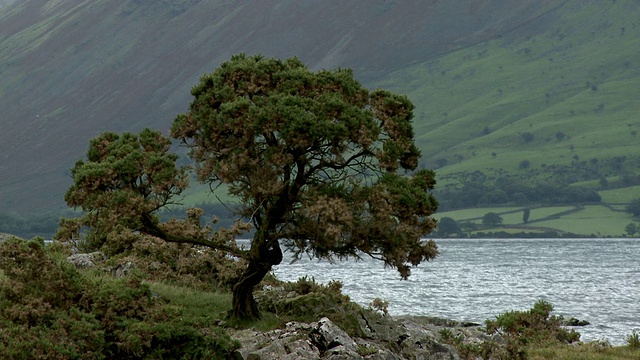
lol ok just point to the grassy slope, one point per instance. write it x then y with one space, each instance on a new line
546 84
574 70
588 220
72 69
579 78
553 82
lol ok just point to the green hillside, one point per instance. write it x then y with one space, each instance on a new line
518 104
573 88
72 69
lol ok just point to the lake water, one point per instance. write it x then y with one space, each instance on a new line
597 280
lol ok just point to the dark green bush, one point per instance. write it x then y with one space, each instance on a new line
50 310
536 325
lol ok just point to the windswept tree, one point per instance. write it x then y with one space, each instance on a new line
317 163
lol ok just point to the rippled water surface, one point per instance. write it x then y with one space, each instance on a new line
597 280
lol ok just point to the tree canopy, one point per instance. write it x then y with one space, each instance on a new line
316 162
633 207
491 219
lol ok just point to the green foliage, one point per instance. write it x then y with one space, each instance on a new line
633 207
633 340
124 181
520 333
631 229
472 351
291 143
364 350
49 310
306 300
379 305
194 266
491 219
448 227
535 326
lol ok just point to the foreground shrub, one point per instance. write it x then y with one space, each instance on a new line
633 340
49 310
306 300
514 334
535 326
188 265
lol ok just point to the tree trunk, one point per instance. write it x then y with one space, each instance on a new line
264 254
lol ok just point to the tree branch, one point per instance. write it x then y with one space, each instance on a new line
152 228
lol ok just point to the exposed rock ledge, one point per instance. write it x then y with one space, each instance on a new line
383 338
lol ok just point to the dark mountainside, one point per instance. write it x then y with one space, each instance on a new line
70 70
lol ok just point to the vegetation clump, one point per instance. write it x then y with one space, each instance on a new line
50 310
307 301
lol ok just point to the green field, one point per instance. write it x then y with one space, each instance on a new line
620 196
589 220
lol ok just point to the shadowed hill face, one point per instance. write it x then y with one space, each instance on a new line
72 69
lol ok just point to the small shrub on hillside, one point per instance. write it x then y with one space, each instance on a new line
527 136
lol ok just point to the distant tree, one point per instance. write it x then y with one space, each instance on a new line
525 215
448 226
633 207
496 197
560 135
491 219
527 136
604 183
524 164
519 198
313 158
632 229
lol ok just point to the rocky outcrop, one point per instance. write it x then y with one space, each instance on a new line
85 261
384 338
575 322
